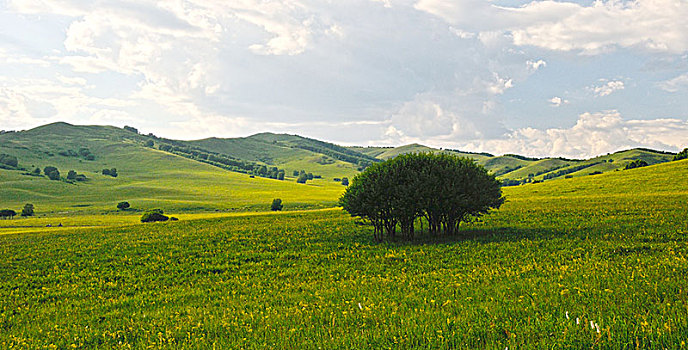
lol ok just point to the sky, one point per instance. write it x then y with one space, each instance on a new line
538 78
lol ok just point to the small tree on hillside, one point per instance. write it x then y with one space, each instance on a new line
302 178
123 205
27 210
638 163
682 155
345 181
153 216
52 173
276 205
71 175
7 213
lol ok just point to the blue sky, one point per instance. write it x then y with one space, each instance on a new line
540 78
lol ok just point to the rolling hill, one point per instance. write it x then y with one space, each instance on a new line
193 176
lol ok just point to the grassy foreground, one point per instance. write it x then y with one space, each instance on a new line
598 262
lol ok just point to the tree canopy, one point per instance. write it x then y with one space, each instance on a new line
441 189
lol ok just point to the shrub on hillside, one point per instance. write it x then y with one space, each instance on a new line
52 173
276 205
7 213
27 210
440 188
302 178
8 160
638 163
682 155
123 205
153 216
345 181
110 172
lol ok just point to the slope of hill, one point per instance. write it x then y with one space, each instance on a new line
291 152
147 177
156 170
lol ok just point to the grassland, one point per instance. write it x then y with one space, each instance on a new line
608 251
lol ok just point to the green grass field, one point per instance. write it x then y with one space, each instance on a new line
593 262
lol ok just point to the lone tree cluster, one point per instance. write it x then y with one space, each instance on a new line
439 189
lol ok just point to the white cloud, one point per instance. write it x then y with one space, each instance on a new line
675 84
607 88
557 101
657 25
535 65
593 134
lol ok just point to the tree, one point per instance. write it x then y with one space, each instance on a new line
682 155
276 205
27 210
638 163
71 175
131 129
302 178
110 172
7 213
296 173
280 175
439 189
8 160
150 143
37 171
153 216
345 181
52 173
309 176
123 205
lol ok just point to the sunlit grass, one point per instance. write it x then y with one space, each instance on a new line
597 262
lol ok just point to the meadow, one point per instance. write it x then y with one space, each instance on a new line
596 262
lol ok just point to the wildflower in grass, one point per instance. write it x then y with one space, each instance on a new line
597 327
360 307
567 315
592 325
577 320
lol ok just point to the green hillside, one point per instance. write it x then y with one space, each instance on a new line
147 177
291 152
519 168
194 175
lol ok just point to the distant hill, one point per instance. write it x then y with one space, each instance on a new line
518 169
148 177
225 173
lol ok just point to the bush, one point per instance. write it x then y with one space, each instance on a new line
27 210
150 143
110 172
52 173
638 163
123 205
345 181
153 216
8 160
682 155
71 175
302 178
441 189
276 205
7 213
